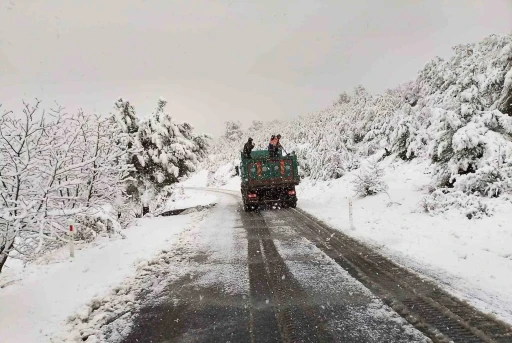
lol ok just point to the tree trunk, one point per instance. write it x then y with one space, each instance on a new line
4 253
506 106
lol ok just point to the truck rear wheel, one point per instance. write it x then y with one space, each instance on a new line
292 204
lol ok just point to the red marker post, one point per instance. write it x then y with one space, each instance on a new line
71 238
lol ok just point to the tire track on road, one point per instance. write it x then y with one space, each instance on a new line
280 308
440 316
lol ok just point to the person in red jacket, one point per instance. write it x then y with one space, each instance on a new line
270 143
274 146
271 146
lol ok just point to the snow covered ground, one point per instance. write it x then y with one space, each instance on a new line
37 299
199 179
470 258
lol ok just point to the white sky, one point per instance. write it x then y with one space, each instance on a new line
215 60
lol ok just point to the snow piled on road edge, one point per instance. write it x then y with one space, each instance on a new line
110 318
38 298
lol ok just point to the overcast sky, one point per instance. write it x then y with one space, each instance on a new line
215 60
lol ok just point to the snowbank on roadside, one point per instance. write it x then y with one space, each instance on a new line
37 299
470 258
222 175
232 184
223 179
222 264
199 179
183 199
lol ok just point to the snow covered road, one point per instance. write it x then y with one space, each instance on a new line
253 277
266 276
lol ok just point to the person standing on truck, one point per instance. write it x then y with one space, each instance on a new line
248 148
272 146
277 146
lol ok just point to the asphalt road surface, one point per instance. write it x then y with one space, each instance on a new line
278 276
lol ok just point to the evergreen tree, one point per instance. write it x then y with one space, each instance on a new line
168 150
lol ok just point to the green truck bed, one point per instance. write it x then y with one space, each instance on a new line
262 170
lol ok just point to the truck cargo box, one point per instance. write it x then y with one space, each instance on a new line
268 179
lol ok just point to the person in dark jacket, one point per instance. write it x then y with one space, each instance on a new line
248 148
277 145
271 146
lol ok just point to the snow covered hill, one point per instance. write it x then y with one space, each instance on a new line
456 114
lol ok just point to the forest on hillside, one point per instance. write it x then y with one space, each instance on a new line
456 115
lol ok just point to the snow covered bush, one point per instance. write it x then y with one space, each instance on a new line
409 138
89 226
369 180
473 156
442 200
157 203
468 127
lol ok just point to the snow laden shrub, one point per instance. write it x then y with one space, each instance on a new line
369 180
475 156
443 200
105 222
409 138
126 118
467 93
161 150
157 203
445 124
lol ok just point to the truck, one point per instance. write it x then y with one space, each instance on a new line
267 180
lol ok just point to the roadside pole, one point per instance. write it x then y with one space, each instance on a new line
350 216
71 238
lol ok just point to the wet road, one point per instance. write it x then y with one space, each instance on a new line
254 277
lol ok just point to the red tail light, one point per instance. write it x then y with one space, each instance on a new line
291 192
251 196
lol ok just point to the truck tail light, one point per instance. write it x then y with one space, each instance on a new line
251 196
292 192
